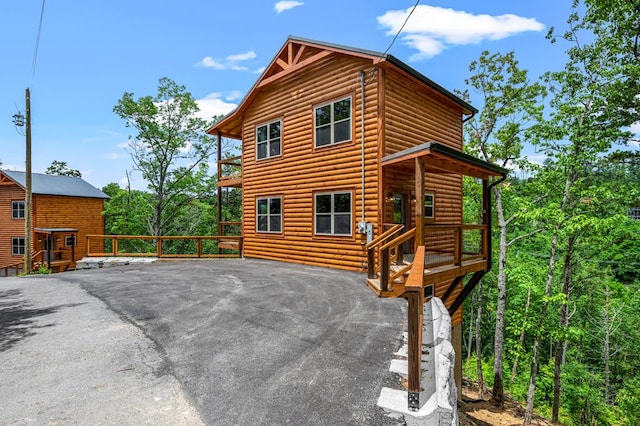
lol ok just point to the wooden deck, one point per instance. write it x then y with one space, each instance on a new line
443 270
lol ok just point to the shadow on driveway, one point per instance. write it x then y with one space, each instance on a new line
258 342
18 318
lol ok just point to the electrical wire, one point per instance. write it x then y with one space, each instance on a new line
401 28
35 51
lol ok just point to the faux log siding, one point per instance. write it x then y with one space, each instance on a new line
9 227
415 114
302 171
84 214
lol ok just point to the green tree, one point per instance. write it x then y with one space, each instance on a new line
170 149
586 120
510 104
60 168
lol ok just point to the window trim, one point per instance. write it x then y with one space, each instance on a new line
268 140
13 246
332 123
269 214
17 209
432 205
66 241
333 213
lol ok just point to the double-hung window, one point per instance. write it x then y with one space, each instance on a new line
429 207
17 209
333 213
17 246
333 122
268 140
70 241
269 214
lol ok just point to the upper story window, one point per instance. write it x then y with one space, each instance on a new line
17 209
269 214
429 207
333 122
17 246
268 138
333 213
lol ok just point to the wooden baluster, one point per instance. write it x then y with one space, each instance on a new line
384 269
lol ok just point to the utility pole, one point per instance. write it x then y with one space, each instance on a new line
28 234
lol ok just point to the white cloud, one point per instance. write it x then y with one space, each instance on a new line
209 62
230 62
212 105
242 56
233 95
432 29
260 70
281 6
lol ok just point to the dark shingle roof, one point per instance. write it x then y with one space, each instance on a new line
55 185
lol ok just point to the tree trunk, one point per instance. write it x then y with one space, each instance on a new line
564 323
531 393
471 322
528 414
514 370
479 343
607 335
498 340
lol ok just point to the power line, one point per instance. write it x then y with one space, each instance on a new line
35 51
401 28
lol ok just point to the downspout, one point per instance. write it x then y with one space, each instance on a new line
362 85
488 207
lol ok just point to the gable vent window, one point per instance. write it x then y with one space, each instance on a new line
268 140
333 122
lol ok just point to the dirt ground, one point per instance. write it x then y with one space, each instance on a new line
474 411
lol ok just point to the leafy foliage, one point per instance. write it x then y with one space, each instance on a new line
60 168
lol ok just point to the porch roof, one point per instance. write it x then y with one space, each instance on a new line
440 158
55 230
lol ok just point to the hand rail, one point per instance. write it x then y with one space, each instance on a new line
383 236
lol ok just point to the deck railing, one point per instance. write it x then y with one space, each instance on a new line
230 169
445 245
216 246
453 244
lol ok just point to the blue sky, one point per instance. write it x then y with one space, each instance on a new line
90 53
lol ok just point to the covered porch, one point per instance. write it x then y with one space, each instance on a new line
55 248
452 248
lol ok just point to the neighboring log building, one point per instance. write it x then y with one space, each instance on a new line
65 210
339 144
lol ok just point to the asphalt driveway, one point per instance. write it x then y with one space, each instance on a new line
229 342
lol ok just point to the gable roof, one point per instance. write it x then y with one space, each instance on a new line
297 53
55 185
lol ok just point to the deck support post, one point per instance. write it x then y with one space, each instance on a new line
419 202
415 314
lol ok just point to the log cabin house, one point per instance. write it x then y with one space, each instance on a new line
352 159
64 210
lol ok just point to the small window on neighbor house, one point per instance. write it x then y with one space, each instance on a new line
429 207
17 209
17 246
634 213
333 213
269 214
268 138
70 241
332 122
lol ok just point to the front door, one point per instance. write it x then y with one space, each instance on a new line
401 214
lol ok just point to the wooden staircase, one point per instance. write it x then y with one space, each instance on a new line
387 266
